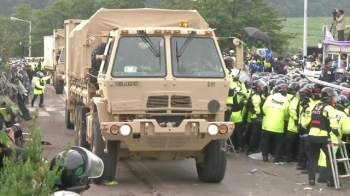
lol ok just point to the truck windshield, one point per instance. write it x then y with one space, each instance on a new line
137 57
199 59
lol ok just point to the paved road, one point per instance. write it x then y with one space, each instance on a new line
175 178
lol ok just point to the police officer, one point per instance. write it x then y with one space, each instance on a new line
323 122
254 106
239 101
327 73
275 109
305 121
267 65
39 88
292 136
304 108
231 92
340 107
39 65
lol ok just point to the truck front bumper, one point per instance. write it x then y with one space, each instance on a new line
149 135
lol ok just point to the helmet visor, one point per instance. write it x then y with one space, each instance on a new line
94 165
335 96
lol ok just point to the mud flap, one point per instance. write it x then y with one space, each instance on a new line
108 157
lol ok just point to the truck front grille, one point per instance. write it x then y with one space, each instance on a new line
181 101
157 102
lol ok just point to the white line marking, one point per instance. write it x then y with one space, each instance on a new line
30 109
44 113
50 108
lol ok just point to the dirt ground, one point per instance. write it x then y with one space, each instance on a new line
150 177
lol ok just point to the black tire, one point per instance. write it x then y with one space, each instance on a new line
77 111
109 159
69 125
214 167
81 135
59 86
48 81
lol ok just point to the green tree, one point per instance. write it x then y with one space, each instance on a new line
230 17
123 4
20 41
52 17
33 176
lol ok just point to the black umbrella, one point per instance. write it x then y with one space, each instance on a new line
258 34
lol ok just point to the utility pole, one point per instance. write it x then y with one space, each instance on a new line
305 29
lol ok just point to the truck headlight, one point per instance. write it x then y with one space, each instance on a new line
213 129
125 130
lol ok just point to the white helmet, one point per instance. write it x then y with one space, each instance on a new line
231 51
65 193
235 72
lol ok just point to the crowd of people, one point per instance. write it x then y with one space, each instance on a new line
287 116
75 158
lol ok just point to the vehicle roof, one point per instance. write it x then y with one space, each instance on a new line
107 19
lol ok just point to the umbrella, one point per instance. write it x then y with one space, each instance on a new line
258 34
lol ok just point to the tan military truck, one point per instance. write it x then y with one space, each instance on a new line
59 80
148 83
59 65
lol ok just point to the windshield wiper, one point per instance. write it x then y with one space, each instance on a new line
148 41
189 38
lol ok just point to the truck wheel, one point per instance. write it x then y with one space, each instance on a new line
81 141
48 81
69 125
77 112
214 167
109 159
59 87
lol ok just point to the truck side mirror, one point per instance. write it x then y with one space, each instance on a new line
101 57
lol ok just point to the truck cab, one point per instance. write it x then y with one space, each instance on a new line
165 91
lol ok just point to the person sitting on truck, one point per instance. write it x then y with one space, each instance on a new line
327 73
39 88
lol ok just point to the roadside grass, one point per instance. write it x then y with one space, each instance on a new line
315 33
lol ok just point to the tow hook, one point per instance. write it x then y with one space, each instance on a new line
106 147
223 146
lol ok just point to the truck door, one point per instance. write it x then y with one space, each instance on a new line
106 62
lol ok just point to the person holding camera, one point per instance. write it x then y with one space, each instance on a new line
9 146
340 24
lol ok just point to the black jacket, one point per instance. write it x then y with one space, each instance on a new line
327 74
279 69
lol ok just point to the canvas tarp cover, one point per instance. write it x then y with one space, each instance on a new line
107 19
59 39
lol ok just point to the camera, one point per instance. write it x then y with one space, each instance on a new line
334 13
17 130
